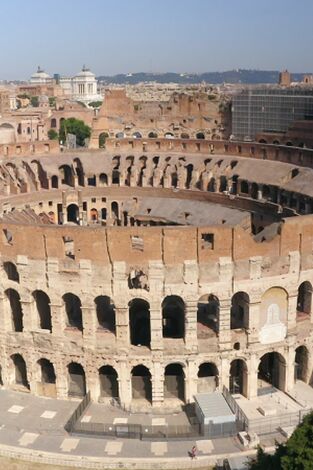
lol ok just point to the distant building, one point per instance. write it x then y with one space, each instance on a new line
285 78
82 87
256 110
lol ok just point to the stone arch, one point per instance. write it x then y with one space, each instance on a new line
272 371
66 175
53 123
73 213
137 135
302 364
76 380
238 377
105 313
47 372
14 300
141 383
54 182
108 379
72 305
207 377
207 315
11 271
239 312
115 210
94 215
304 300
139 322
200 135
103 179
42 302
244 187
174 382
152 135
20 371
173 317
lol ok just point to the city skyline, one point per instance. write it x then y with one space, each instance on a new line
149 36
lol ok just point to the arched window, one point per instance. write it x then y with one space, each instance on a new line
11 271
73 311
16 309
47 371
173 317
73 213
54 182
77 380
108 382
272 371
141 383
174 382
103 179
207 315
200 135
239 313
207 377
66 175
20 371
238 377
43 309
139 321
244 187
153 135
301 364
304 300
105 313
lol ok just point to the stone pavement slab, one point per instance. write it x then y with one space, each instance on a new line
28 438
158 448
15 409
206 447
69 444
48 414
113 447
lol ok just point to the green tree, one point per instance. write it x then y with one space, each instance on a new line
34 101
296 454
52 134
95 104
102 138
76 127
52 101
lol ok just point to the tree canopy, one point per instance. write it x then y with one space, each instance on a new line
296 454
76 127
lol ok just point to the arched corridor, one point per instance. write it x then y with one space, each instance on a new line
141 383
173 317
239 313
42 302
139 322
76 380
20 371
174 382
272 371
16 309
207 377
108 382
301 364
73 213
105 313
238 377
73 311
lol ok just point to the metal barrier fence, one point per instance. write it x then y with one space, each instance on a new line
70 424
270 424
233 405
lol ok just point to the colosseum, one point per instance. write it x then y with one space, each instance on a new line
154 269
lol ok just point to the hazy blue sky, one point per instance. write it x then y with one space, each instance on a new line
113 36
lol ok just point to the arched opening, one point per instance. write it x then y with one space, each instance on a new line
207 377
79 172
207 315
273 315
108 382
73 311
153 135
119 135
103 179
223 184
238 377
262 141
173 317
304 300
16 309
114 210
212 185
102 139
289 143
276 142
184 136
174 382
94 215
272 371
104 213
254 191
189 169
141 383
43 309
20 371
301 364
266 192
139 322
54 181
239 313
47 372
11 271
137 135
66 175
174 180
105 313
77 380
200 135
169 135
53 123
244 187
73 213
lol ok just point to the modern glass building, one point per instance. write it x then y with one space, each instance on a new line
272 109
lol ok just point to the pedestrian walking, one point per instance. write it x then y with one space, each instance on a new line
193 453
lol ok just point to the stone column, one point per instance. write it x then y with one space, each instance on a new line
122 326
124 383
57 319
6 312
252 377
292 311
290 369
157 384
224 372
89 325
224 324
29 323
156 327
192 382
254 319
61 380
191 340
